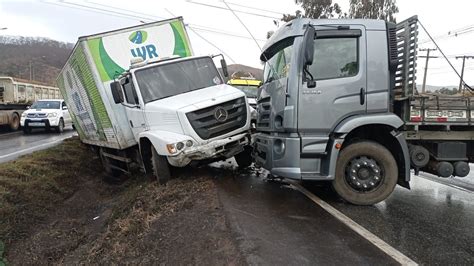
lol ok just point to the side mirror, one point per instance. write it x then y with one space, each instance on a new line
308 45
117 92
224 68
64 107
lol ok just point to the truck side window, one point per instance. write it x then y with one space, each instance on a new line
335 58
130 94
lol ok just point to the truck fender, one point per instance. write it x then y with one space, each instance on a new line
350 123
159 139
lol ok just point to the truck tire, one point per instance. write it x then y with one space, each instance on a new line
60 127
15 122
366 173
244 159
161 167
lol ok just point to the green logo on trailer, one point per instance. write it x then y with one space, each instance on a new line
138 37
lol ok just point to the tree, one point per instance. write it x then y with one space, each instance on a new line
375 9
316 9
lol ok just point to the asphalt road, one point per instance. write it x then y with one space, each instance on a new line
274 223
433 223
15 144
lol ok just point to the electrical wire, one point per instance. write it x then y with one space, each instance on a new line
239 11
441 51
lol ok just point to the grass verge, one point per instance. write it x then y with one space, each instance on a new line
33 184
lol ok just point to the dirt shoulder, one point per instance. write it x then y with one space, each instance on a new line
71 216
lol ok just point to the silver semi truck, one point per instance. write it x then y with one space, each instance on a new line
339 103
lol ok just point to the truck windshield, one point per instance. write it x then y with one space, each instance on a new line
45 105
176 77
278 65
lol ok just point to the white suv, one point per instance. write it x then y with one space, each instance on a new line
46 114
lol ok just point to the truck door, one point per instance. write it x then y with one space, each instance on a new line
133 108
339 69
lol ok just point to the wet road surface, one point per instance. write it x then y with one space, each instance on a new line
15 144
432 223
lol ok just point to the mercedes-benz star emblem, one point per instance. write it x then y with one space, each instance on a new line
221 115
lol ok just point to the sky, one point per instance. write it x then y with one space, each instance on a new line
211 25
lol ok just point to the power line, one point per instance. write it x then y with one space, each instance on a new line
206 40
223 8
243 24
441 51
454 33
140 16
255 8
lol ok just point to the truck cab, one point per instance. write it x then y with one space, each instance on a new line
325 108
180 110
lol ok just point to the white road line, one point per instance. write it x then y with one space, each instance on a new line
445 183
382 245
10 133
32 148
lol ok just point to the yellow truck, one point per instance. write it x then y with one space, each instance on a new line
249 87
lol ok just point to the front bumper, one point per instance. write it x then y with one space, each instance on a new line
279 155
40 122
223 148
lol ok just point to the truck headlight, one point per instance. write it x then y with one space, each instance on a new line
178 146
52 115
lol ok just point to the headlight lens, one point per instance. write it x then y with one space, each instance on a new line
23 114
189 143
179 145
52 115
174 148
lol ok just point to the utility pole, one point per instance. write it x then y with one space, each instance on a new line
464 57
426 65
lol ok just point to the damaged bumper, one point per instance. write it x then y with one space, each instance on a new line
224 148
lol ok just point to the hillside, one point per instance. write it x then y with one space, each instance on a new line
256 72
45 56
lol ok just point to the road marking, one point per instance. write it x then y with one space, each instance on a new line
33 148
10 133
432 179
382 245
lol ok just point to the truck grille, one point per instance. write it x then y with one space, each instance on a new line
37 115
263 118
210 123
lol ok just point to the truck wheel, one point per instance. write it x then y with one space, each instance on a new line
60 127
366 173
26 130
15 122
161 167
244 159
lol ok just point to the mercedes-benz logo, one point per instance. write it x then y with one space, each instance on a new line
221 114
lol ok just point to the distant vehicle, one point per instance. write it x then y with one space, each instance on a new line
46 114
17 94
140 97
339 103
249 87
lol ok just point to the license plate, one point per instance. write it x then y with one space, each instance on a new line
36 124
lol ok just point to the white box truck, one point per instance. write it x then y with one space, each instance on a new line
140 96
